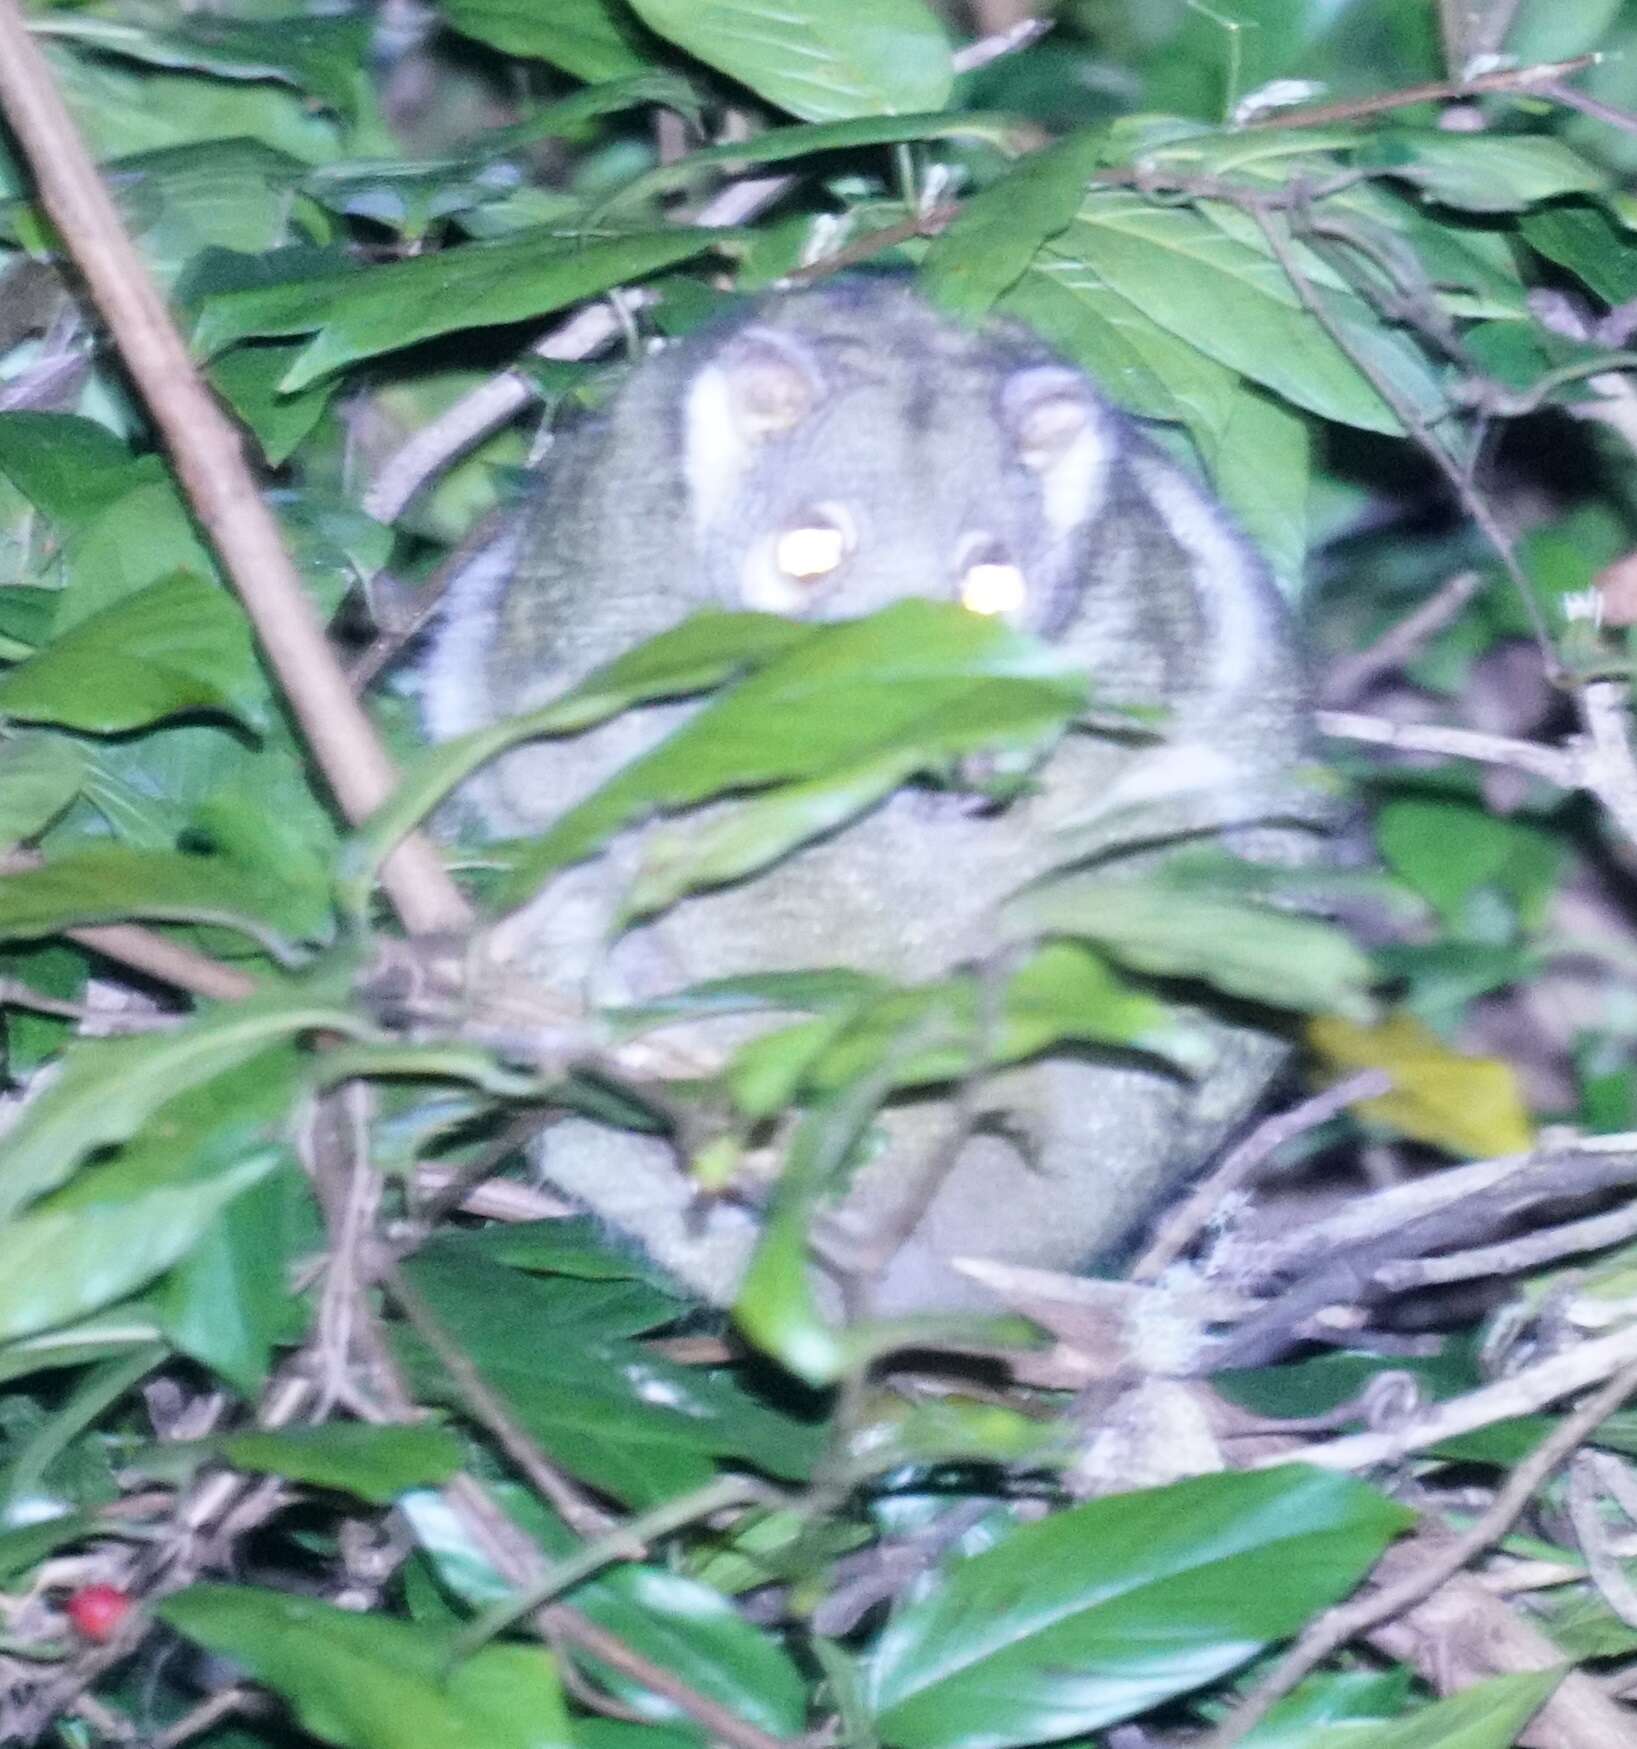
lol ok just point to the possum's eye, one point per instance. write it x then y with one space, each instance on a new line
990 583
791 567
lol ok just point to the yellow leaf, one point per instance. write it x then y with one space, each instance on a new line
1465 1105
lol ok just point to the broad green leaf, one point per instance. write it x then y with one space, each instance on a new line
1468 1105
369 1682
1485 173
920 677
700 653
592 39
1450 851
177 646
227 1304
822 60
1139 364
781 145
110 1088
109 883
247 378
227 194
126 1219
1242 949
1230 300
678 1622
1099 1613
1262 471
748 837
613 1412
316 54
60 1262
1583 238
39 776
67 467
374 1463
693 1630
1351 1697
356 315
1489 1715
997 232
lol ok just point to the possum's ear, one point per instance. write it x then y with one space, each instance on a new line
1063 434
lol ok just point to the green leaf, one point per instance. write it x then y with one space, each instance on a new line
1233 302
1583 238
374 1463
1483 173
1244 950
356 315
924 680
588 38
1261 467
68 468
110 1088
700 653
127 1220
997 232
369 1682
822 60
317 55
176 646
1488 1715
248 380
111 882
227 1304
621 1417
39 776
781 145
1101 1612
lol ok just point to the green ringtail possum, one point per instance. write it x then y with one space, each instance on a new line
822 454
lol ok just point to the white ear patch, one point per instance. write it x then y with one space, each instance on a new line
760 385
1063 436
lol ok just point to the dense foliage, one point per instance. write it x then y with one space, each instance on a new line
319 1418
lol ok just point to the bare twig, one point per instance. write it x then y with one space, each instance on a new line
1334 1629
1524 80
1556 765
1402 641
576 1510
1587 105
1531 1389
1514 1256
210 461
1242 1163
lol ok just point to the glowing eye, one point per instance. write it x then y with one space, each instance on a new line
993 588
805 554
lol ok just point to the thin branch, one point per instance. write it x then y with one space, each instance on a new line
209 458
1586 105
1513 1256
1335 1628
1242 1163
1523 80
171 962
486 1408
1403 640
1523 1393
1556 765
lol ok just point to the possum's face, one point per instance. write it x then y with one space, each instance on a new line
832 467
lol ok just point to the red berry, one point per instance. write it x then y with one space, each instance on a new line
97 1610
